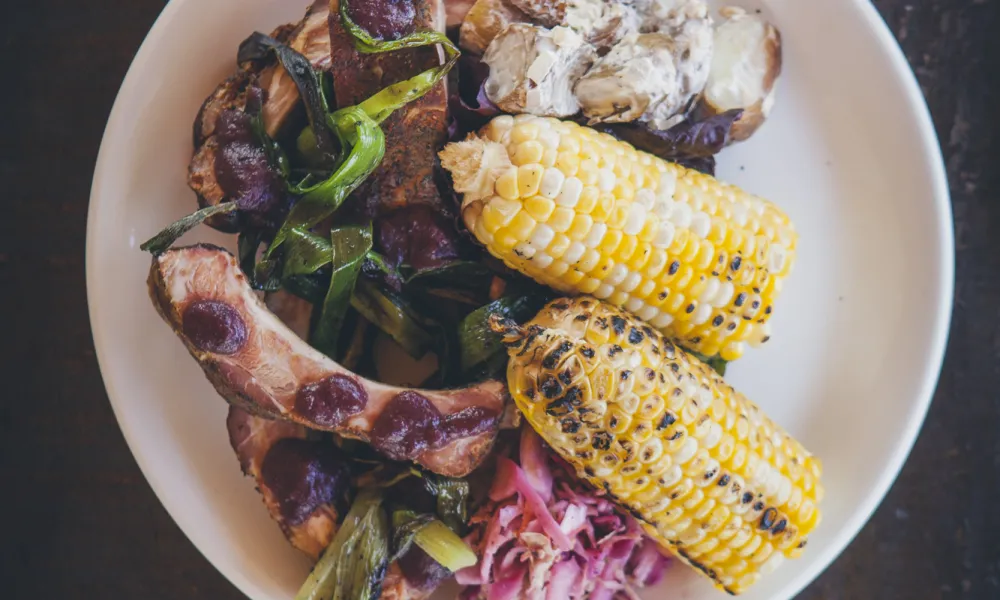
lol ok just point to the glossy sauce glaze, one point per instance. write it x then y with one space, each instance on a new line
304 475
410 424
332 400
385 19
214 326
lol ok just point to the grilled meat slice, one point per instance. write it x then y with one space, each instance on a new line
414 133
257 363
305 482
293 311
311 37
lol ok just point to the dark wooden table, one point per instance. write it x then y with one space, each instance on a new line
79 520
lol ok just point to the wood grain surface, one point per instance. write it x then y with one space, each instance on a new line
79 520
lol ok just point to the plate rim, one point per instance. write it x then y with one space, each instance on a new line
935 352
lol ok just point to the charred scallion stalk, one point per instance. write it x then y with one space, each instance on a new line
258 46
433 537
353 566
349 246
163 240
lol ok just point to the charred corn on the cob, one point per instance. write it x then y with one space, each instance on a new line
700 466
584 213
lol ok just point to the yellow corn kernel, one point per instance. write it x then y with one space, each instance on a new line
569 144
618 216
503 240
610 243
539 207
549 158
558 245
588 171
561 218
623 190
568 163
649 228
529 178
588 263
588 201
523 132
604 205
573 276
521 226
498 213
637 262
582 224
681 237
682 277
626 248
706 257
528 153
506 184
603 267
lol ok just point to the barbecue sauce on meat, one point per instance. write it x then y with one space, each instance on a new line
331 401
384 20
214 326
304 475
410 424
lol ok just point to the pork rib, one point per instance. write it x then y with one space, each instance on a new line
255 362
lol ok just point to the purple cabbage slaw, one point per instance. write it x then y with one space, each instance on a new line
545 535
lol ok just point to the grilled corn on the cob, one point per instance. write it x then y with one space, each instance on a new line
700 466
584 213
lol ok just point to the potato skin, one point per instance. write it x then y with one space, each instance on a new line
756 113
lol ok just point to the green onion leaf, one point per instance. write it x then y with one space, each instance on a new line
306 253
433 537
247 244
444 546
353 566
715 361
477 341
366 143
452 496
405 524
298 67
261 277
465 281
393 315
349 244
163 240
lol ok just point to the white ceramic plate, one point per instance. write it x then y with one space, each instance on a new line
849 152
